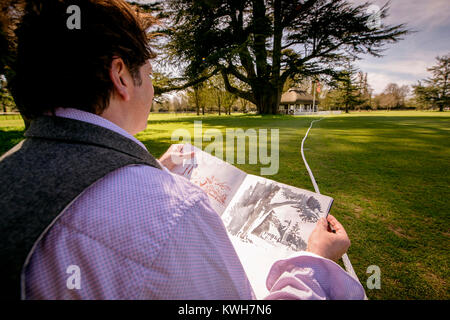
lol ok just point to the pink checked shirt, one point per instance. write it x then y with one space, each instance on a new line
144 233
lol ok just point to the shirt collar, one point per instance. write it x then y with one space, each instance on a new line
91 118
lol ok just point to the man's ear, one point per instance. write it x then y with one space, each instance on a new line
121 78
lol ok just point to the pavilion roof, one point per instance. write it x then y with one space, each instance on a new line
296 96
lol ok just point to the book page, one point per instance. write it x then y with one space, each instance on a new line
217 178
267 221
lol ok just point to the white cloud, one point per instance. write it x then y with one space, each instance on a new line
379 81
417 68
419 13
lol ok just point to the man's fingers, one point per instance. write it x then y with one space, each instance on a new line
181 156
186 148
175 147
335 224
187 155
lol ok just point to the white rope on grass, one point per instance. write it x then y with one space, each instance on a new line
316 187
345 259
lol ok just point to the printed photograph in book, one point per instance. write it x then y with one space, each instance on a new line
217 178
267 221
274 214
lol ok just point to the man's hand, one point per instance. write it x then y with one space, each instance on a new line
326 243
174 156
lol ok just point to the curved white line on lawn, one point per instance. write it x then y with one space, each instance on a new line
316 187
345 259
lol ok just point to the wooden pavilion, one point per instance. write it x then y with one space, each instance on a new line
297 101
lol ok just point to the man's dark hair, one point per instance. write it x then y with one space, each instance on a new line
61 67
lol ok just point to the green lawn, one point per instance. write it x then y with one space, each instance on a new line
387 171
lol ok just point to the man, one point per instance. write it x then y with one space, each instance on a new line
87 213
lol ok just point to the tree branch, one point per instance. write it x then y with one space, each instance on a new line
240 93
161 90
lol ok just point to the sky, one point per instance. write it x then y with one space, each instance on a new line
407 61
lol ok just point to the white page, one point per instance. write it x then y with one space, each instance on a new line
257 219
216 177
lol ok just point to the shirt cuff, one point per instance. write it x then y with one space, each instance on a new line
306 276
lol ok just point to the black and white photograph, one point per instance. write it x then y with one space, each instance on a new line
270 221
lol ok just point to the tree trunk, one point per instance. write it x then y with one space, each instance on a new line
267 101
197 98
218 103
197 107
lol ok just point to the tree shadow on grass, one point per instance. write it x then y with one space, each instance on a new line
434 123
157 142
227 121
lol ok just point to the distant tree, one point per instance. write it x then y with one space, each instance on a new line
425 96
435 92
198 99
395 95
218 98
346 90
350 91
10 13
229 100
244 105
365 91
6 100
218 90
380 101
331 100
263 43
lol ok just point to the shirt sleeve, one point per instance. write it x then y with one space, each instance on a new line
198 261
308 276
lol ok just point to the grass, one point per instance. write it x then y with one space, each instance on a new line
387 171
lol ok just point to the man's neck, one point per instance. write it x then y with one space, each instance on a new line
119 115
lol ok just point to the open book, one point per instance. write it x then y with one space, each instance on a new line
265 220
